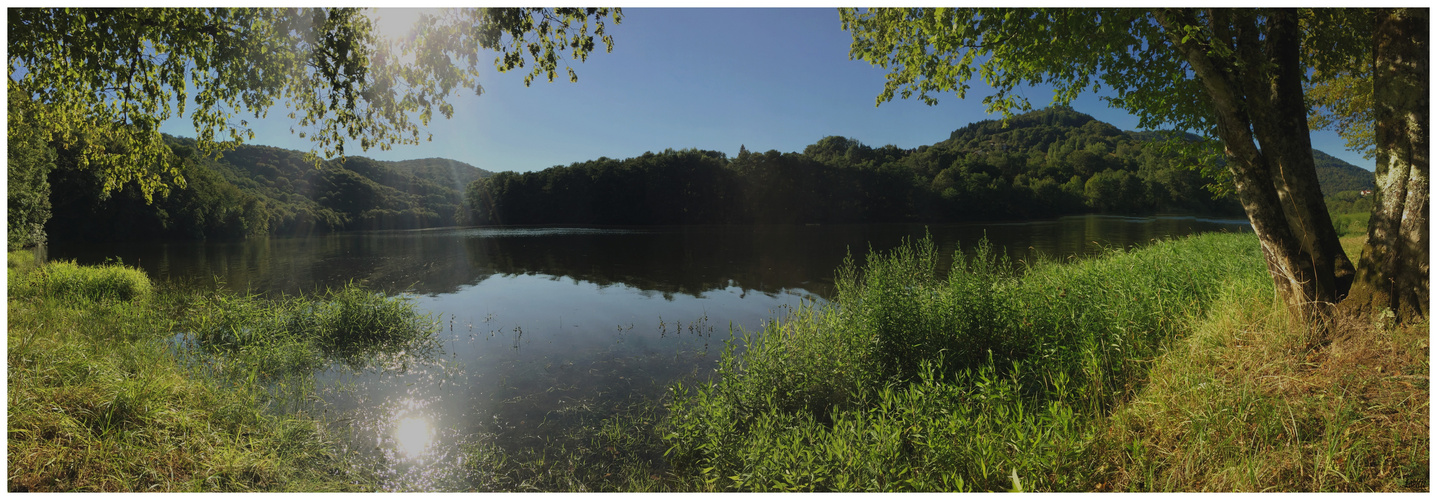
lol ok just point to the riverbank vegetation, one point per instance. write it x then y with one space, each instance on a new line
107 392
983 380
1168 368
1171 367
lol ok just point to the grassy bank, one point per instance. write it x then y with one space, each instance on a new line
1164 368
101 398
1243 404
1167 368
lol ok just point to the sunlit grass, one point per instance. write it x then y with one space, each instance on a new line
1352 246
67 281
1244 404
1170 367
101 398
1351 224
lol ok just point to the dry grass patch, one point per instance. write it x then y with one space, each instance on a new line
1245 405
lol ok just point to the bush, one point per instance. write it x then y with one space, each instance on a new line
28 189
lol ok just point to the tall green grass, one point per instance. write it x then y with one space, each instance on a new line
69 281
101 398
290 335
1351 224
986 379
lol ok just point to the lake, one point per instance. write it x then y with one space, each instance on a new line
545 329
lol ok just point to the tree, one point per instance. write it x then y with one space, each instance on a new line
1235 75
102 80
1343 103
1394 266
29 161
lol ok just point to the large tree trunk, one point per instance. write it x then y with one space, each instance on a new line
1252 71
1393 270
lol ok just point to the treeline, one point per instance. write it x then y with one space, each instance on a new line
261 190
1043 164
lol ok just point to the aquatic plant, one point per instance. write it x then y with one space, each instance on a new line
295 334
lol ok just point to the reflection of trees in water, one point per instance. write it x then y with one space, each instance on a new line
393 262
769 259
671 260
676 260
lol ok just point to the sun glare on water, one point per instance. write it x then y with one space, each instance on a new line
413 435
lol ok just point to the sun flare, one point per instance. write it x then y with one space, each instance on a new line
413 435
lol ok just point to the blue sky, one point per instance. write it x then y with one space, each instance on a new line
701 78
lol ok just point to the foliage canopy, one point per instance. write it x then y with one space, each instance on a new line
102 80
1234 75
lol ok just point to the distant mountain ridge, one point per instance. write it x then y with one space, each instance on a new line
257 190
1335 175
1044 163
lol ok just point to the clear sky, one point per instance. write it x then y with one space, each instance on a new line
695 78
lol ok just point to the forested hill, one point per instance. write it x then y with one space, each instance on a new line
1044 163
1336 176
258 190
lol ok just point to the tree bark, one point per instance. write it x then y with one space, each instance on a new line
1393 270
1279 111
1251 69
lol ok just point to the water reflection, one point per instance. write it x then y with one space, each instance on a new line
413 435
527 359
667 261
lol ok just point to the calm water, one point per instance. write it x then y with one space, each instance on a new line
548 328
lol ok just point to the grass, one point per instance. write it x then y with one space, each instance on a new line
100 398
68 281
1167 368
1350 224
1170 367
1244 405
20 262
295 335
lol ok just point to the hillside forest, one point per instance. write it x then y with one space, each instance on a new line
1045 163
262 190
